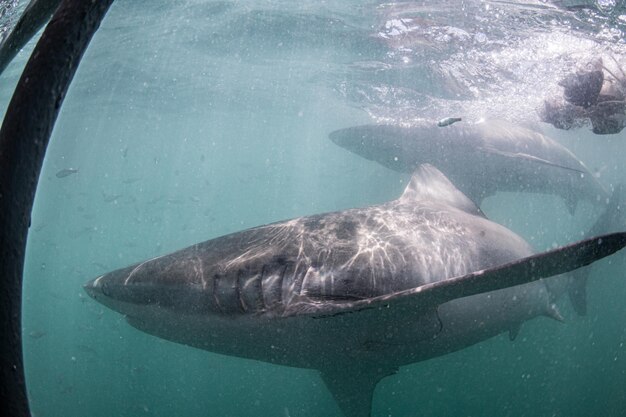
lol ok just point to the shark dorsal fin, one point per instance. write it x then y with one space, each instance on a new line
428 183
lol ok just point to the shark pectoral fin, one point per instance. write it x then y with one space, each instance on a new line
529 158
352 387
532 268
546 264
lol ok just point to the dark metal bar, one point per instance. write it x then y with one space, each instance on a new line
34 17
24 137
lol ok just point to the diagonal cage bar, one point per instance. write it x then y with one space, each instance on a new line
24 137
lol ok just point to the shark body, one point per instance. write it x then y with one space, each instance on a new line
354 294
479 159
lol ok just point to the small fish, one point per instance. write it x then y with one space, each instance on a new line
65 172
448 121
36 334
108 198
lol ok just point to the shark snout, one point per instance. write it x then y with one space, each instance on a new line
162 283
93 288
114 289
355 139
340 138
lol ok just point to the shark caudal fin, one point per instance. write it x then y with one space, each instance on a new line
613 219
577 290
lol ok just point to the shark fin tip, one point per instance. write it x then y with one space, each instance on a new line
553 312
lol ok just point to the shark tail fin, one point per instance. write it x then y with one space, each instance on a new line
613 219
353 387
577 290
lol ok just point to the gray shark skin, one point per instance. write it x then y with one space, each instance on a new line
480 159
354 294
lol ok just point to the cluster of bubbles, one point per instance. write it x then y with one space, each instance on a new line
500 59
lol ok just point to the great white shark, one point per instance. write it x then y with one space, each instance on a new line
354 294
479 158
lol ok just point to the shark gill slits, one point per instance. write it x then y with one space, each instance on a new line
216 299
272 285
280 260
226 294
250 291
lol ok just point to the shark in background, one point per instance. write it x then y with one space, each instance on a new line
354 294
479 159
484 158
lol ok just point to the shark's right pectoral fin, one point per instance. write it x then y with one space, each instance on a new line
524 157
428 297
570 200
525 270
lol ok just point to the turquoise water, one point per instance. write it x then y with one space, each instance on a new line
191 119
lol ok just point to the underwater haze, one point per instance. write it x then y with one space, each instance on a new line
191 119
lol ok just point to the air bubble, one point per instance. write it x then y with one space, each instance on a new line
606 6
